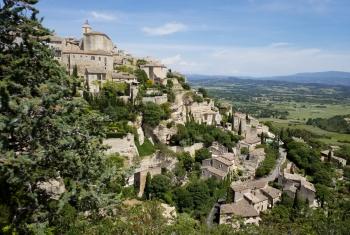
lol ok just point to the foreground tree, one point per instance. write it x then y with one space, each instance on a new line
48 137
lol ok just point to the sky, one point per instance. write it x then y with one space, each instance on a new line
217 37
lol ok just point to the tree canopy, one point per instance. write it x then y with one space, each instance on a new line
47 134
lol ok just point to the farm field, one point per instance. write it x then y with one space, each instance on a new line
285 104
333 138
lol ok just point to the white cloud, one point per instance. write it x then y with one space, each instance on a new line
102 16
176 60
272 59
166 29
280 44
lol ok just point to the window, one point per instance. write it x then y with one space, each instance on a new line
92 57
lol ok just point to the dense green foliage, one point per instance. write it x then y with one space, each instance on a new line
265 167
146 149
46 133
153 113
202 154
193 132
203 91
338 123
344 152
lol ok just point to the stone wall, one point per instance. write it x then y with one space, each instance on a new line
191 149
156 99
124 146
96 42
85 60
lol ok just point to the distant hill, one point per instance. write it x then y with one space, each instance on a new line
326 78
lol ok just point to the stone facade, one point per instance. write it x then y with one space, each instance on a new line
162 99
295 184
155 71
205 112
221 165
249 199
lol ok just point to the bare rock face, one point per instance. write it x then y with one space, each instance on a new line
141 135
53 187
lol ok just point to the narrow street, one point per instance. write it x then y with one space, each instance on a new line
275 172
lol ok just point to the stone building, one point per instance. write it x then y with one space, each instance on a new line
220 165
93 50
295 184
155 71
241 209
94 55
249 199
251 162
217 167
205 112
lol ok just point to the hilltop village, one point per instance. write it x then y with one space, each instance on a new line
95 140
236 155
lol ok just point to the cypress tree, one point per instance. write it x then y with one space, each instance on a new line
75 79
240 128
262 138
147 191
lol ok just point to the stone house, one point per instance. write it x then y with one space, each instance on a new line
273 195
241 209
240 188
249 199
295 184
204 112
95 77
155 71
249 143
218 167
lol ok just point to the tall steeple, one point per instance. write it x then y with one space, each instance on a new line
86 27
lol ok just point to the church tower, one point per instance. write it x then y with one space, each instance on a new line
86 27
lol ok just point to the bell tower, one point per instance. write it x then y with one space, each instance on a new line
86 27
